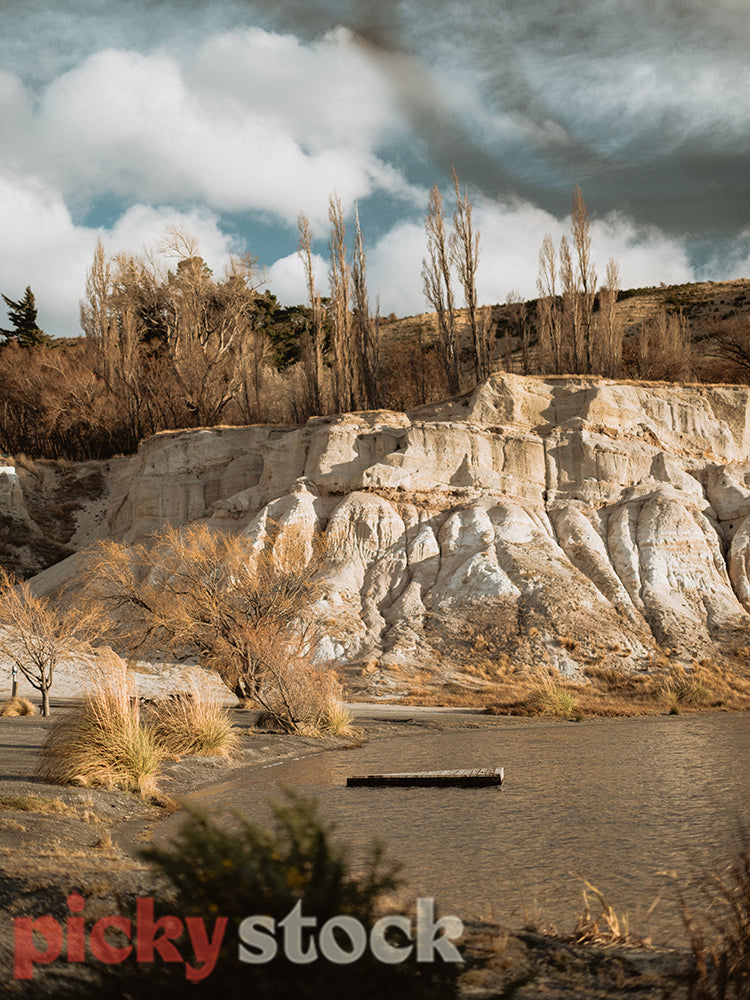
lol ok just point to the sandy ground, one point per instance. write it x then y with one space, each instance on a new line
90 844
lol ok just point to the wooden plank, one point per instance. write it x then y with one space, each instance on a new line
467 778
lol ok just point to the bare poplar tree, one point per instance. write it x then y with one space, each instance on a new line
438 290
610 338
339 279
518 324
464 247
113 329
585 276
549 307
570 320
365 327
313 347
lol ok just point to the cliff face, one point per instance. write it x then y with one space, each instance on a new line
566 521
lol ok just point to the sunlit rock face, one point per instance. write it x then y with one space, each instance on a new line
563 521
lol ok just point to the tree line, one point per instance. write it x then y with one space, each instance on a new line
171 345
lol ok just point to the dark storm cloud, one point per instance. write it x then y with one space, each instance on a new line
644 103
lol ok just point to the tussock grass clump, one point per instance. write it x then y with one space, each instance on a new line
104 742
337 720
551 698
694 692
194 722
17 706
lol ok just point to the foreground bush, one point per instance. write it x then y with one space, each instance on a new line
104 742
251 871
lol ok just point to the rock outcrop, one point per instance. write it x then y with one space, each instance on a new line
568 521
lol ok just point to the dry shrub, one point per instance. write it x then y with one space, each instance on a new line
104 742
720 938
194 722
17 706
298 694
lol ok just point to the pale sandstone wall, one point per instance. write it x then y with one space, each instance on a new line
565 521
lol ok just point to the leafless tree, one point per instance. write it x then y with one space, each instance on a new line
664 348
549 307
110 323
585 280
610 331
313 347
570 325
345 367
214 594
200 342
464 248
438 289
366 327
729 341
519 325
36 633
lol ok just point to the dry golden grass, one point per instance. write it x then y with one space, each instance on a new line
337 721
552 698
605 927
37 804
103 742
610 692
17 707
194 722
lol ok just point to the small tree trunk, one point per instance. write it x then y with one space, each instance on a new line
45 702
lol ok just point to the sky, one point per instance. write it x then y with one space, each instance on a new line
229 118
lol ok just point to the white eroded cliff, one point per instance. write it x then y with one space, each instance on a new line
560 520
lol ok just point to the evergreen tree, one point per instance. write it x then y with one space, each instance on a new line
22 315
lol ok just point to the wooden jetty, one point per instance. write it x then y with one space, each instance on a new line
476 778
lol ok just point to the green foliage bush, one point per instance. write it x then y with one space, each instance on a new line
249 871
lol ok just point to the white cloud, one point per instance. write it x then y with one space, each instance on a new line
42 247
394 270
256 122
286 279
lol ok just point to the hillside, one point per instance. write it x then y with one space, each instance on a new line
709 308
